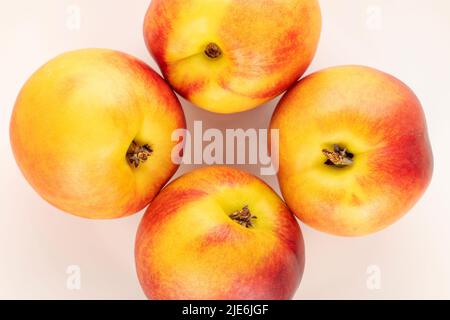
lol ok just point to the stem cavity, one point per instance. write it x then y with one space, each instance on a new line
138 154
244 217
213 51
339 157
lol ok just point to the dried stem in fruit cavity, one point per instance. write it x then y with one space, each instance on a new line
213 51
244 217
339 157
138 154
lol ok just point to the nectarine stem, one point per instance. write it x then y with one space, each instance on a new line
138 154
244 217
213 51
339 157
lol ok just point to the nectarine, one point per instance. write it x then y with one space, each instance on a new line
219 233
91 132
354 150
229 56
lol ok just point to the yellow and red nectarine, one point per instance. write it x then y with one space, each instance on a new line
91 132
219 233
229 56
354 150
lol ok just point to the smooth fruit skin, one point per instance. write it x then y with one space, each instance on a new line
187 246
378 119
266 46
74 121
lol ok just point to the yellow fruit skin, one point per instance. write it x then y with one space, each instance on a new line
266 46
378 119
187 246
74 121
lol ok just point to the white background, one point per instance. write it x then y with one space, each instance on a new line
408 38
